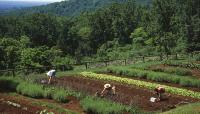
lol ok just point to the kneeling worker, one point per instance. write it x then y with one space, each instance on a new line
159 91
110 89
50 74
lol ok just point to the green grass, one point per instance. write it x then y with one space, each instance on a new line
102 106
30 90
54 106
186 109
60 96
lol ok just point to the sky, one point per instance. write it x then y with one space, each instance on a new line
35 0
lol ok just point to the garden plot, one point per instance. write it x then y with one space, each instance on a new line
176 70
129 95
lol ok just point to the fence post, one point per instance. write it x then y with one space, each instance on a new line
13 72
143 59
176 56
124 61
86 66
63 68
106 63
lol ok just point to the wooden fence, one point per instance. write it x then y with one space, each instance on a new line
87 64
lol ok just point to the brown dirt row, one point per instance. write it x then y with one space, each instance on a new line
28 108
25 108
128 95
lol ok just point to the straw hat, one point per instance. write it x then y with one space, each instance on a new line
107 85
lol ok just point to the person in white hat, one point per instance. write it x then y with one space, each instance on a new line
50 74
108 88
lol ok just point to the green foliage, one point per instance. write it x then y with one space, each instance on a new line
62 63
30 90
101 106
197 57
60 96
155 76
174 70
192 108
35 39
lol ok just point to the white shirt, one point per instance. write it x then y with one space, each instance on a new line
51 73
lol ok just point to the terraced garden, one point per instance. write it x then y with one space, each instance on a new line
74 93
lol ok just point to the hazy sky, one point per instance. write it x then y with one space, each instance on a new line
36 0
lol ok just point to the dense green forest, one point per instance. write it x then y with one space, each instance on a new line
118 30
71 7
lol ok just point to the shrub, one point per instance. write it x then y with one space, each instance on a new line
60 96
197 57
31 90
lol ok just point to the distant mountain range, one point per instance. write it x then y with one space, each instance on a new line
19 4
66 8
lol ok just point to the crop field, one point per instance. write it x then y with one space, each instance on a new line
74 93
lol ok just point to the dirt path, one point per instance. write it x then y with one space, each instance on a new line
128 95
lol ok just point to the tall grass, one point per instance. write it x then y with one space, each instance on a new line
60 96
30 90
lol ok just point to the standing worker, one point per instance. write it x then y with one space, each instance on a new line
159 92
50 74
110 89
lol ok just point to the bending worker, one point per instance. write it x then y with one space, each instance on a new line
50 74
109 89
159 92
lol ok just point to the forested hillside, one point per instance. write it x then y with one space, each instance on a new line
72 7
119 30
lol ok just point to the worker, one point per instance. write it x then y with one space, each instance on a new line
51 74
109 89
159 91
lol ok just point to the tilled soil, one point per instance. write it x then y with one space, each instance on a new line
125 94
6 108
26 106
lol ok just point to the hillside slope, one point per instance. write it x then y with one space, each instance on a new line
71 7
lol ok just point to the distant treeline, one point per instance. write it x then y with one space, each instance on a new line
118 30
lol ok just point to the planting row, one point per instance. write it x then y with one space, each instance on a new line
159 67
156 76
182 64
169 89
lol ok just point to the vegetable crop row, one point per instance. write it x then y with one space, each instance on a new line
143 84
156 76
